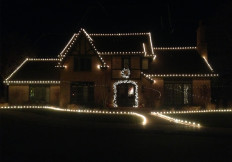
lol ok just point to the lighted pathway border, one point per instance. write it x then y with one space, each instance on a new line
178 121
80 111
185 122
194 111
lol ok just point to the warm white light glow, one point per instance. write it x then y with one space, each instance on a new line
174 48
121 53
79 111
32 82
151 44
208 64
115 91
180 75
178 121
43 59
17 69
125 73
143 117
148 77
144 49
117 34
194 111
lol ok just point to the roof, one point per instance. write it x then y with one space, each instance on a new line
36 70
122 42
178 61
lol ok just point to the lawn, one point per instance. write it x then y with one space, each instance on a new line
47 135
215 119
50 116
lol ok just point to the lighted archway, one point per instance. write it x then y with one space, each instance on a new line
123 82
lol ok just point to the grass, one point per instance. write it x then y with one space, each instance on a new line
45 115
220 119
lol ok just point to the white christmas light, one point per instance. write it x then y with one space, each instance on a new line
148 77
79 111
194 111
117 34
208 64
125 73
122 53
144 49
17 69
151 44
178 121
43 59
174 48
115 91
180 75
32 82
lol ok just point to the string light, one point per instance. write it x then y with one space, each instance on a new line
17 69
117 34
208 64
178 121
43 59
61 66
144 49
30 59
115 91
143 117
121 53
151 44
180 75
32 82
125 73
194 111
80 111
174 48
148 77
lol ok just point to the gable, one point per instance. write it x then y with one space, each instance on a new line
80 44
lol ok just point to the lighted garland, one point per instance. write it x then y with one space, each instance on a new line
125 73
115 91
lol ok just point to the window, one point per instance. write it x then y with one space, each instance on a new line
82 93
39 94
82 64
126 63
177 93
145 64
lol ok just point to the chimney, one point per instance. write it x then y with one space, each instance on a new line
201 40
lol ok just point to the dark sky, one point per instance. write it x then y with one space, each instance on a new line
44 27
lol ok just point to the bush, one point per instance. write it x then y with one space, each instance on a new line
73 107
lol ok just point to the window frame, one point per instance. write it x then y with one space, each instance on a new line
47 87
171 96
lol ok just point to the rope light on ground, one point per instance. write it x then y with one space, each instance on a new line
175 120
80 111
194 111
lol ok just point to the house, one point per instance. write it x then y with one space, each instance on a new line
116 70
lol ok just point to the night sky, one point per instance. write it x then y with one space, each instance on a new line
42 28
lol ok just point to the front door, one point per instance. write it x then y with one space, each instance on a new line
126 95
82 93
